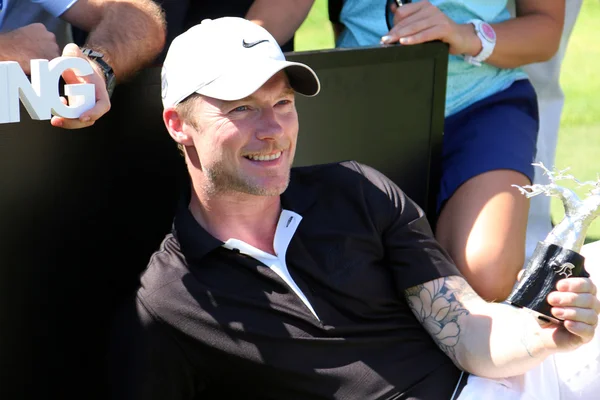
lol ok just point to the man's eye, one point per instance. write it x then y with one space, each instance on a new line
284 102
240 109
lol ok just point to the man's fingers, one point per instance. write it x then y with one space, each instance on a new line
67 123
570 299
575 314
72 50
583 330
71 77
102 98
577 285
87 118
102 106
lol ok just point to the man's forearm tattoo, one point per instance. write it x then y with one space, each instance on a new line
436 307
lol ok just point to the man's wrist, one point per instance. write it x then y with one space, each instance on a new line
538 345
98 69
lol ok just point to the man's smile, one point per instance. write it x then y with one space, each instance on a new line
264 157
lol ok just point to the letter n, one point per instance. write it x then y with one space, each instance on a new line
15 86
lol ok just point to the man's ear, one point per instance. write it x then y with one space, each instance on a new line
177 128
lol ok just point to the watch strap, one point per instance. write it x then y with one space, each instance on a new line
488 42
109 75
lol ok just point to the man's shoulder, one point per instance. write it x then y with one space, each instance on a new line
346 175
165 270
337 173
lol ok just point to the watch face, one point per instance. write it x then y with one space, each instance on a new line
488 32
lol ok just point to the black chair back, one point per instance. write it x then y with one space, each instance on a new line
82 211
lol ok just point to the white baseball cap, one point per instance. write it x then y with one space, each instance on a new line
228 58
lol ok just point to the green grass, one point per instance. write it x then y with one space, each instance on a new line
580 78
315 33
579 136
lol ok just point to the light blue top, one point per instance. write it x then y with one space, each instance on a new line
365 25
18 13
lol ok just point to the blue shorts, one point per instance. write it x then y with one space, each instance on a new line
498 132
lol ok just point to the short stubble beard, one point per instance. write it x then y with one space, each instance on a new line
218 180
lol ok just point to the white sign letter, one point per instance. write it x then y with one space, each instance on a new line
17 86
81 96
40 96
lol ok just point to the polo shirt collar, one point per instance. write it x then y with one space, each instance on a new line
196 242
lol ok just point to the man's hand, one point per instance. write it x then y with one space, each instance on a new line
102 99
576 302
27 43
423 22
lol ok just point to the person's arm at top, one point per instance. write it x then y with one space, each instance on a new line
533 36
280 17
497 340
129 33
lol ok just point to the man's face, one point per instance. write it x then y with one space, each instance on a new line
247 146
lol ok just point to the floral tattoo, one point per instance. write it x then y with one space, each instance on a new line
436 306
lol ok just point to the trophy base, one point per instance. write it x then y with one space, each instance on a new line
549 264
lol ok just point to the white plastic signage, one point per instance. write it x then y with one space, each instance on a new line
40 96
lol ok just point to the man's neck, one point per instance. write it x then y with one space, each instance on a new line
252 219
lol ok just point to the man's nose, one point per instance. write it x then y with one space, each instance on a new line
269 126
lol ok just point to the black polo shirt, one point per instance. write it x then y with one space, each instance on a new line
209 322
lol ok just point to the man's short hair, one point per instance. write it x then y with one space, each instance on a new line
186 110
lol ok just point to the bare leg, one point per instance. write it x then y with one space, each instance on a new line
483 226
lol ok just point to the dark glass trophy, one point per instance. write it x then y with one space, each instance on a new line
557 257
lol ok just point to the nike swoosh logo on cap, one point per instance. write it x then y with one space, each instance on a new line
252 44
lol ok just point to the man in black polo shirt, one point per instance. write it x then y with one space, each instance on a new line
319 282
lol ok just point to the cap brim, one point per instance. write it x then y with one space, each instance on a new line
244 80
